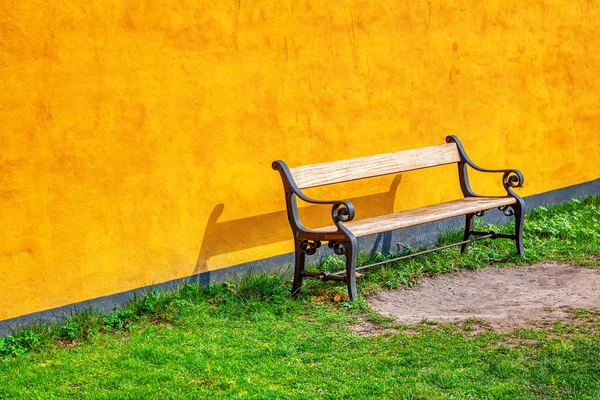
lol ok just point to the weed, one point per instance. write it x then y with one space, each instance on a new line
119 319
331 263
69 331
80 325
20 343
358 306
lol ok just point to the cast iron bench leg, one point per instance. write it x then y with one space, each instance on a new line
468 229
351 253
519 208
298 267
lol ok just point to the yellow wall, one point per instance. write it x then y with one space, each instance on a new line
136 136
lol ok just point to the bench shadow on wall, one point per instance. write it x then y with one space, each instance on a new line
245 233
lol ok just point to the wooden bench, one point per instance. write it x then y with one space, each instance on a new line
342 235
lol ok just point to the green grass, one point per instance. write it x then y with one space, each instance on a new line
249 340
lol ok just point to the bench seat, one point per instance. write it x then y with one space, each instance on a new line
422 215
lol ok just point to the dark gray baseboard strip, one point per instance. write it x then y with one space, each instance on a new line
418 236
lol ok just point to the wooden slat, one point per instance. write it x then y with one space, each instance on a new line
418 216
367 167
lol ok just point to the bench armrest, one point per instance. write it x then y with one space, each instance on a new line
511 178
341 210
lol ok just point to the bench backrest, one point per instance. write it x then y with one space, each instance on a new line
367 167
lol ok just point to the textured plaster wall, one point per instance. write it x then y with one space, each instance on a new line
136 136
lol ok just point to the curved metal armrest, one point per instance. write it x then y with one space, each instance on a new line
512 178
341 210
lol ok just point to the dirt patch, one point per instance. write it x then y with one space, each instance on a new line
532 296
368 328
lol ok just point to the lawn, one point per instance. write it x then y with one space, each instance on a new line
249 340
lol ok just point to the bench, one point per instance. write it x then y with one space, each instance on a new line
342 235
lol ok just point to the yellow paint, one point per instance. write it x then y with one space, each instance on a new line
137 136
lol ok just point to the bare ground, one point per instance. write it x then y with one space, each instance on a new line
532 296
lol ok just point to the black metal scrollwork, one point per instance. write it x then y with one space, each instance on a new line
342 212
338 248
480 213
309 247
512 179
507 210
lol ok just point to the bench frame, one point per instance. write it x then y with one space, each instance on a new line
343 242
